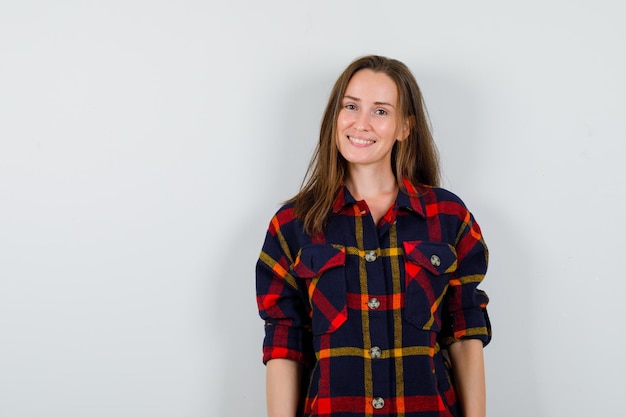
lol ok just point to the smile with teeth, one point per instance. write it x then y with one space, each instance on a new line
359 141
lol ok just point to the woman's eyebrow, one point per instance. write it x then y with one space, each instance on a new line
377 103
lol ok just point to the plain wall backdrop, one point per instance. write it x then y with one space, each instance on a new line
144 146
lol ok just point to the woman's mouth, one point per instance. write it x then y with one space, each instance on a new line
360 141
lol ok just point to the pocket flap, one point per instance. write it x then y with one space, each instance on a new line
436 257
312 260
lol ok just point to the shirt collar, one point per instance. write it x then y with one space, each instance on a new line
343 199
409 199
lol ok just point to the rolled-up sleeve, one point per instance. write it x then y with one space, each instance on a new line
465 315
280 302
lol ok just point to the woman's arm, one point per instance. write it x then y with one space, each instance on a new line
468 367
283 387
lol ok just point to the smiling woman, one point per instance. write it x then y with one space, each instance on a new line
367 280
368 124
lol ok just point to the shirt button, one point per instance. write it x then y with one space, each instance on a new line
378 403
375 352
370 256
435 260
373 303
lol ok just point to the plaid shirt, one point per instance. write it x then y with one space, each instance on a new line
369 309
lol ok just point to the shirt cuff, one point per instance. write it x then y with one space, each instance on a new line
285 342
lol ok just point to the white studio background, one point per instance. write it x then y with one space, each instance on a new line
144 146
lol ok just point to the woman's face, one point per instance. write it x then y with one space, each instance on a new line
369 122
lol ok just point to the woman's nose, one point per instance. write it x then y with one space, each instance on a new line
363 120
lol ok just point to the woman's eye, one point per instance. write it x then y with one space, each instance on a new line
350 106
381 112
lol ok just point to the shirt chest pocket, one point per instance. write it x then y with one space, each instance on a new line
428 266
322 267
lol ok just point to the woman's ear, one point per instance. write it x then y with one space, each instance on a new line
407 125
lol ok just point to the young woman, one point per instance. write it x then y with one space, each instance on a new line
367 280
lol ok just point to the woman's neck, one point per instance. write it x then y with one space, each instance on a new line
367 184
378 189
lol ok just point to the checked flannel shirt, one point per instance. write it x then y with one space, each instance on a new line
369 309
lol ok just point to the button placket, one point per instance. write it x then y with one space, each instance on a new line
375 352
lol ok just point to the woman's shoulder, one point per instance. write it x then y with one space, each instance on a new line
431 194
285 220
285 213
443 194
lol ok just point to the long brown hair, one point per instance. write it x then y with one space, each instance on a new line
415 159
